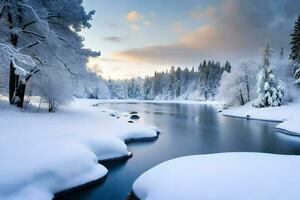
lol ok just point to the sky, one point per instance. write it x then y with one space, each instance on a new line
138 37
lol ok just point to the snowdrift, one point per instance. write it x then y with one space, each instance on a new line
46 153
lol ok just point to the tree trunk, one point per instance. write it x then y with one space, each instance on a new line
242 101
12 83
21 94
16 87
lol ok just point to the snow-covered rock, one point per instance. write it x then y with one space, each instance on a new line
226 176
45 153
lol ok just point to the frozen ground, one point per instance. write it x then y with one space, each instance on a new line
288 114
45 153
226 176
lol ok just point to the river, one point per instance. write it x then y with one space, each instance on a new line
186 129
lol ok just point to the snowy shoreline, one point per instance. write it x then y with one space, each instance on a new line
61 151
221 176
286 116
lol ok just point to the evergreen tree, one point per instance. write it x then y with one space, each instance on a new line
295 51
227 66
172 83
270 91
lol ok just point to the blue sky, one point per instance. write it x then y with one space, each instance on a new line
138 37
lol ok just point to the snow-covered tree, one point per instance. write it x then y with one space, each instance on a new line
210 74
227 66
295 51
47 31
172 83
238 87
270 91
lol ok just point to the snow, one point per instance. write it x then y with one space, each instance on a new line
288 114
45 153
226 176
291 127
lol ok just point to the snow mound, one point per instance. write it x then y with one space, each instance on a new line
226 176
46 153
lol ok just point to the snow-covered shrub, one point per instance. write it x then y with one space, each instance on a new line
55 90
238 87
270 91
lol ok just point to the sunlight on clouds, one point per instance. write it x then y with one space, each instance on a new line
133 16
201 42
203 37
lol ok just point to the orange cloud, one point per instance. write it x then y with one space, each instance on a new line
203 42
133 16
203 37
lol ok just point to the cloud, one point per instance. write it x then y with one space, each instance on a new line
203 12
147 23
135 27
191 48
235 30
177 27
133 16
113 39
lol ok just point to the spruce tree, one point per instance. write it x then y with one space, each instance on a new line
227 66
270 91
172 83
295 51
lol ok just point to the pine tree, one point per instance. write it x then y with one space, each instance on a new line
295 51
172 83
227 66
270 91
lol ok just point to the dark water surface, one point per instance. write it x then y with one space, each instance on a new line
185 130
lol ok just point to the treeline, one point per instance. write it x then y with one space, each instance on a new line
178 83
267 83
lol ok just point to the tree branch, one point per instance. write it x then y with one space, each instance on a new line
28 24
33 33
63 62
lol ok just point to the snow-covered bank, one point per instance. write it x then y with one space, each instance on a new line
45 153
226 176
288 114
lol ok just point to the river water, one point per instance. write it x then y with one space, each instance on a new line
186 129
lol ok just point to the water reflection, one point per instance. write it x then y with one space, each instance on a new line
186 130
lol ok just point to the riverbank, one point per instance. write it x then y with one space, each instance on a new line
59 151
228 176
287 115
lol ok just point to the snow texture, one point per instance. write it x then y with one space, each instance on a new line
45 153
226 176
